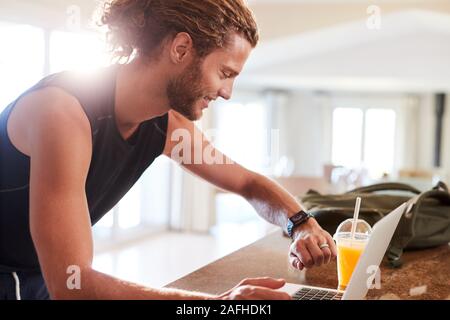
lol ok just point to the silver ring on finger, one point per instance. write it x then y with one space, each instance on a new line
323 245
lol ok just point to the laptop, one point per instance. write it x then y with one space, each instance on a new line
373 254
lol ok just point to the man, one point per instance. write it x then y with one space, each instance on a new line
72 147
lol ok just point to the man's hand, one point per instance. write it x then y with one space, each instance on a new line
256 289
305 251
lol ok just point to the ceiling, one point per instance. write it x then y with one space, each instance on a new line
409 53
319 44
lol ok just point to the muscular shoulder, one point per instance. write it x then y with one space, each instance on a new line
47 112
53 104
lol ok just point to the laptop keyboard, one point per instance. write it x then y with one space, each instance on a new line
316 294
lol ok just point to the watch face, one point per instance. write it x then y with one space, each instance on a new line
298 217
295 220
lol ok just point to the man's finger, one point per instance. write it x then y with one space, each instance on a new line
295 262
260 293
332 245
264 282
298 248
316 252
326 251
326 255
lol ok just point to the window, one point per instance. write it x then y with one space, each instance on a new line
22 50
77 51
379 143
364 137
347 137
243 134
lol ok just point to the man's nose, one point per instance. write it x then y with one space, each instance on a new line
226 91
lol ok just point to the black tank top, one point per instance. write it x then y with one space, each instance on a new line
115 166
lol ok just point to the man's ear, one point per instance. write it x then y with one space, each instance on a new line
181 47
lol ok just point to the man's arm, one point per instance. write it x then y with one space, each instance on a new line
60 147
270 200
276 205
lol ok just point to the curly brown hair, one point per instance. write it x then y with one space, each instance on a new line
140 26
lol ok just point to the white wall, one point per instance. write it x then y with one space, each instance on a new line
304 121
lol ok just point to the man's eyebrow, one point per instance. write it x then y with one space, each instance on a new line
231 70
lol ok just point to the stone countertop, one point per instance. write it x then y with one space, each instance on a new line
425 274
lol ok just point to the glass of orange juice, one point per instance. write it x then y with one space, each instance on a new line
350 249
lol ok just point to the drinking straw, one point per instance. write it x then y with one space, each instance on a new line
355 218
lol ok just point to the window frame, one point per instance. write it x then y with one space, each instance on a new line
364 102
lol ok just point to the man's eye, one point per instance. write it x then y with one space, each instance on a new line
226 75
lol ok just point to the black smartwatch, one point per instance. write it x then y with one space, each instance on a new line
296 220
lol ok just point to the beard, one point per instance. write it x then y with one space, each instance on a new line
185 90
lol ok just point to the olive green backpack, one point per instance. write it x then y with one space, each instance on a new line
426 222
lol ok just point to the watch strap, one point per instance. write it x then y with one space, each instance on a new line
297 219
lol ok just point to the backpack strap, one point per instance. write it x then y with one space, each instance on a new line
312 192
441 186
439 195
390 186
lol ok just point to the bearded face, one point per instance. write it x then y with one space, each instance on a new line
208 78
185 92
